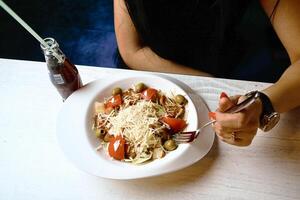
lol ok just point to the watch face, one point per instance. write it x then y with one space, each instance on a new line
269 121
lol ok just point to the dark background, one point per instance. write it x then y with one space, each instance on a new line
83 28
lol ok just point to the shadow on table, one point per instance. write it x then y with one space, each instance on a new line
173 181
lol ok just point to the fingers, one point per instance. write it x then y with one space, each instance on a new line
247 118
235 128
241 138
224 129
236 121
219 128
235 137
226 102
243 135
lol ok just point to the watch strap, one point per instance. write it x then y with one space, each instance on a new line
269 117
267 107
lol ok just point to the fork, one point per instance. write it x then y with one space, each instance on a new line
190 136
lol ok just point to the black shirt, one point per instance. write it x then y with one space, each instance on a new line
229 39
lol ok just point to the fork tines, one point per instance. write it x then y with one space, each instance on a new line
184 137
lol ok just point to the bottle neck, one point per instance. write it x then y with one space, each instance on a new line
51 60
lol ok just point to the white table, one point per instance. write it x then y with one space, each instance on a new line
32 166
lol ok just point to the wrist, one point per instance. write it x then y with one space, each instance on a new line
269 117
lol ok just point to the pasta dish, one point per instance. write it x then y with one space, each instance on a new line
136 125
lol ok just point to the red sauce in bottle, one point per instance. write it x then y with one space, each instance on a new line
63 74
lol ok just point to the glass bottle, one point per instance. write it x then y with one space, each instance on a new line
63 74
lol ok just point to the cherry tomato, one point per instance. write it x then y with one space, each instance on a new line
116 147
114 101
149 94
175 124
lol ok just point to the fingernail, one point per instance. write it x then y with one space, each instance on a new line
223 94
212 115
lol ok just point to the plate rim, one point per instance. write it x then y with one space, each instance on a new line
107 83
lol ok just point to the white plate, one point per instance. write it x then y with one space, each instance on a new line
78 141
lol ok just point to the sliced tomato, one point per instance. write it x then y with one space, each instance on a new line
175 124
114 101
116 147
149 94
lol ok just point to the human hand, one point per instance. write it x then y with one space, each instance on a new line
236 128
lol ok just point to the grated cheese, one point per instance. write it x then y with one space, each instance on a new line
133 123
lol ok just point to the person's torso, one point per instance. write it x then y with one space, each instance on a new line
221 39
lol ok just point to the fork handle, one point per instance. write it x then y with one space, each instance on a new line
208 123
250 99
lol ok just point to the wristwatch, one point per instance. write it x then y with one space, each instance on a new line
269 117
